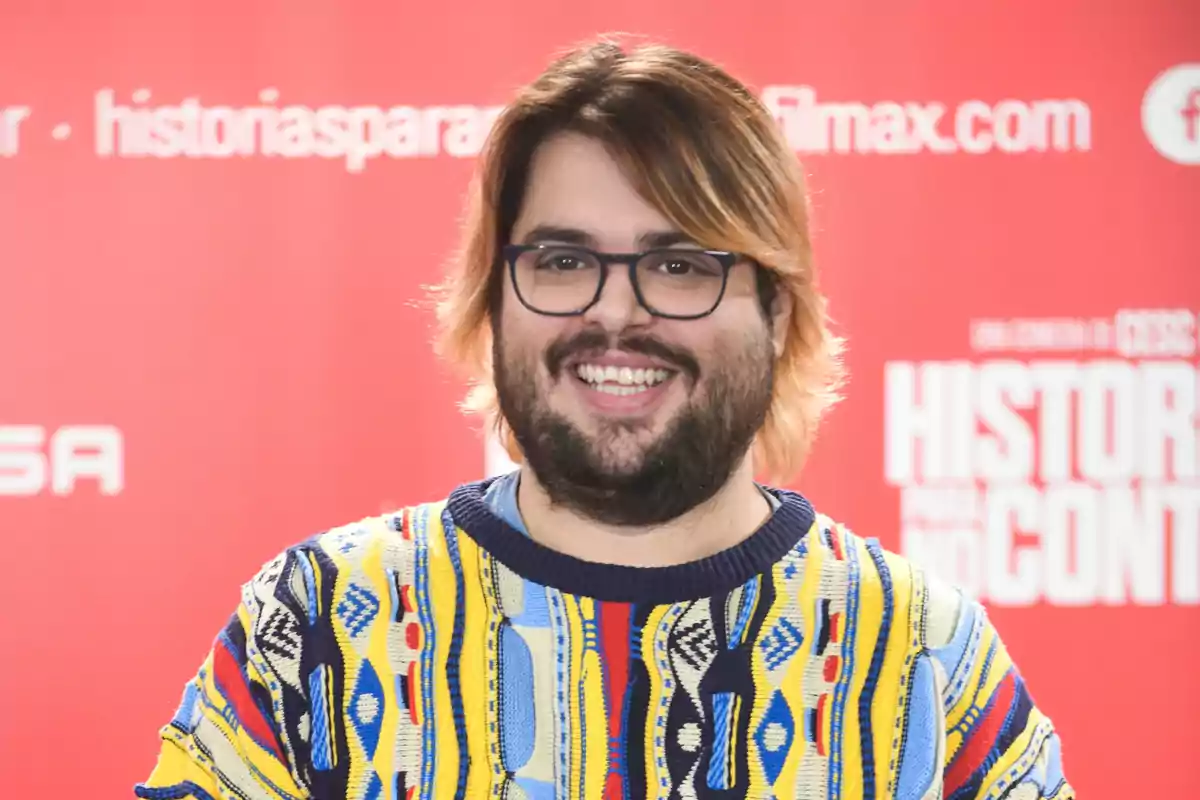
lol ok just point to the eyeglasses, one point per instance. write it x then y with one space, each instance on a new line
567 280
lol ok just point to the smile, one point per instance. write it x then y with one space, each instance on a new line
620 380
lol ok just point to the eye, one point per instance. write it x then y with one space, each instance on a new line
562 260
686 265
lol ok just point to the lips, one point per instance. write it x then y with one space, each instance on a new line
593 348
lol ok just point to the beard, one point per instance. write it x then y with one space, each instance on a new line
683 468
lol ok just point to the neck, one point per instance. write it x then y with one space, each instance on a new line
724 521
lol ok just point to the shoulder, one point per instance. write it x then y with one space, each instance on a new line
320 600
892 581
346 570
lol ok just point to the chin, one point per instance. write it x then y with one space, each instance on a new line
622 453
619 464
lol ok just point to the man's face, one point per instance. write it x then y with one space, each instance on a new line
629 418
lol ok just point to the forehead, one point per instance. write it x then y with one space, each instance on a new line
574 182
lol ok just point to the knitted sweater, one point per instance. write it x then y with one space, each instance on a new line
438 652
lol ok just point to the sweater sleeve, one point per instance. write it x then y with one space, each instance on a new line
998 742
225 739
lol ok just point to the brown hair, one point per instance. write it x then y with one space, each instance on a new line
704 151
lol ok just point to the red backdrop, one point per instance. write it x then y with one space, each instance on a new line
215 220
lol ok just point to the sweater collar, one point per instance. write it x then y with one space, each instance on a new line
711 576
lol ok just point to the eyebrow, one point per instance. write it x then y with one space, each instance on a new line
555 233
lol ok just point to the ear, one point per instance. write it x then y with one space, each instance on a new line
781 319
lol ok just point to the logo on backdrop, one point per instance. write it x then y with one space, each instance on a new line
1171 114
37 460
889 127
1059 465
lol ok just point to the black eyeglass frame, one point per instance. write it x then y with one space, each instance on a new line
512 252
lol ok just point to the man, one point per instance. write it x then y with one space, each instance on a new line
630 614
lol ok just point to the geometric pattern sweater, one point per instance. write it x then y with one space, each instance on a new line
439 652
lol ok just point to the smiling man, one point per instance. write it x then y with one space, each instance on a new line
630 614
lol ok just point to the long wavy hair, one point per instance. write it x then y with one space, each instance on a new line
703 150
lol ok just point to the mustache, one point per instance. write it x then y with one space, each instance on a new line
594 341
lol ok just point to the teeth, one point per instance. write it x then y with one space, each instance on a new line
620 380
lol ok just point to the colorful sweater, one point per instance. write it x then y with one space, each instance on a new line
439 652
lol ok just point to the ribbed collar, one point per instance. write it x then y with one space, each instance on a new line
707 577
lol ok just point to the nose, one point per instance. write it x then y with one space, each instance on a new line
618 307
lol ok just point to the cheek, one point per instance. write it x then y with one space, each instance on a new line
734 332
742 285
524 336
733 360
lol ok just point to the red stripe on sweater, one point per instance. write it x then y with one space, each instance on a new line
835 542
227 674
819 733
982 738
615 621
